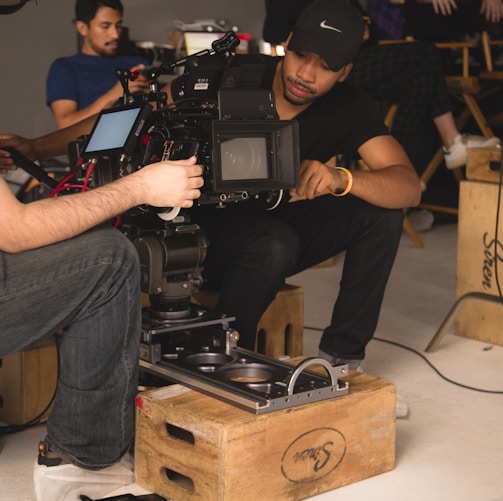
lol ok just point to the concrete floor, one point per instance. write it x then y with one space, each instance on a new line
450 447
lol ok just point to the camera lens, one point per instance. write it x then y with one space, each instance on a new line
244 158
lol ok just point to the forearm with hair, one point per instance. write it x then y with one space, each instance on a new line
52 220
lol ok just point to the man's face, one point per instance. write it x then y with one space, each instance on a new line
306 77
101 36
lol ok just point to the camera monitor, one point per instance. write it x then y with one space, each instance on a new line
116 131
255 155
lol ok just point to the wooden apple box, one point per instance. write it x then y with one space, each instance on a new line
479 261
483 164
28 381
190 446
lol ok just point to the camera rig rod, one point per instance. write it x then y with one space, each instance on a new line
223 45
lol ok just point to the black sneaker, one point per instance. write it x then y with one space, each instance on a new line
47 457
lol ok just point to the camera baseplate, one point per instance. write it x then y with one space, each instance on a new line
202 354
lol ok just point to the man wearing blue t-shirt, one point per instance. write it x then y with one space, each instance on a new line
82 85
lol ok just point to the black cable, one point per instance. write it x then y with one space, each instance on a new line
416 352
496 224
37 420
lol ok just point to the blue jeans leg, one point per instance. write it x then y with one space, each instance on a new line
87 286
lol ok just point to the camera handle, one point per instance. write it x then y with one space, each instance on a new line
124 76
223 45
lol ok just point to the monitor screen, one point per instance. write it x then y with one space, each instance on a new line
196 41
115 130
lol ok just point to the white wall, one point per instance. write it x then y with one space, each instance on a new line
42 30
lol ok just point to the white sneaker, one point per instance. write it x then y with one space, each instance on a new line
402 408
421 220
455 155
67 482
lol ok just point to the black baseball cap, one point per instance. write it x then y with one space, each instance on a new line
11 6
333 29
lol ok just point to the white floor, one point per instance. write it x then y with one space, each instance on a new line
450 448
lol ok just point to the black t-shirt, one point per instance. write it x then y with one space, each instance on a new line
337 123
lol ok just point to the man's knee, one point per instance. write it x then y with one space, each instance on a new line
113 246
115 254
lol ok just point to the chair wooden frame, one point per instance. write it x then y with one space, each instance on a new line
407 225
464 87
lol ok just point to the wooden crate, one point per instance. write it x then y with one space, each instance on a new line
190 446
477 263
483 164
28 380
281 327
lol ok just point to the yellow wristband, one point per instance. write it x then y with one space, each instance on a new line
349 185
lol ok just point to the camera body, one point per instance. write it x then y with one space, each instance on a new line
248 155
242 158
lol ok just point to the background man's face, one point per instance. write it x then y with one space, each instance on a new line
101 36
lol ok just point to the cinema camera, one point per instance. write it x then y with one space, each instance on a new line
248 155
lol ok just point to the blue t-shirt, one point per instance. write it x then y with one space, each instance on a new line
83 78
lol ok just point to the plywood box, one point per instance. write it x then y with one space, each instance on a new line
483 164
479 262
27 382
281 327
190 446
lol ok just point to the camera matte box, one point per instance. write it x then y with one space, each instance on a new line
190 446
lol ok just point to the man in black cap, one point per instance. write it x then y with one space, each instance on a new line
410 74
332 210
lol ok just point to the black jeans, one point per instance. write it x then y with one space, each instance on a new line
251 254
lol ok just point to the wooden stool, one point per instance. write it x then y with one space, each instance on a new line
190 446
28 381
280 329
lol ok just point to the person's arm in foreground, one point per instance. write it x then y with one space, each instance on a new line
47 221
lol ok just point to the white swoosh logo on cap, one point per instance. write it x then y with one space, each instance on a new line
326 26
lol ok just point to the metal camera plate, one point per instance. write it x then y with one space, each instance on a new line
241 377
